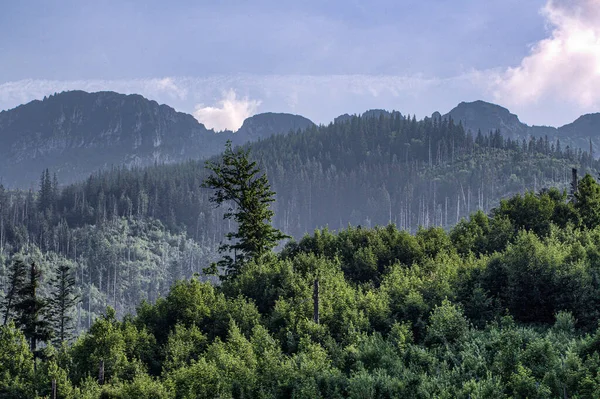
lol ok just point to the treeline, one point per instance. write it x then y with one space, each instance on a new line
502 305
365 171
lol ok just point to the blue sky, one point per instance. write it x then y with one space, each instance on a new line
224 61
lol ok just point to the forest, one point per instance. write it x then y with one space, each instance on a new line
131 233
502 305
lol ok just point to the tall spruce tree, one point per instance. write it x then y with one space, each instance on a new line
238 182
46 192
31 311
62 301
16 282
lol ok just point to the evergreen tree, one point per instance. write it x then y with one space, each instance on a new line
587 201
239 182
17 275
62 301
46 191
31 310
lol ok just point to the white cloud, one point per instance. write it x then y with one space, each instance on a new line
229 114
563 67
167 85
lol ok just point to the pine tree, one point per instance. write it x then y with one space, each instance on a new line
31 311
62 301
239 182
16 278
45 193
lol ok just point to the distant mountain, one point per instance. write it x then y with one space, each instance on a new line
583 129
261 126
480 115
76 133
584 126
342 118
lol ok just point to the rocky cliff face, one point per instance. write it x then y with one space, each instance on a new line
76 133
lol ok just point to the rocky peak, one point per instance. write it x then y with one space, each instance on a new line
264 125
484 116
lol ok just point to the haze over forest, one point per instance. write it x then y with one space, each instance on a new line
273 200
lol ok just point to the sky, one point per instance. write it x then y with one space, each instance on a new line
225 61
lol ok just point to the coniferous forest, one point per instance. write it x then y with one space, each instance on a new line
128 234
179 281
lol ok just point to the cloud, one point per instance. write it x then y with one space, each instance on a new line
563 66
167 85
229 114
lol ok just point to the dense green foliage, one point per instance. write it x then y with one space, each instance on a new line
504 305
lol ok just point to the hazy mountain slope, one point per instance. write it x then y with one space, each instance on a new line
583 129
366 171
76 133
480 115
264 125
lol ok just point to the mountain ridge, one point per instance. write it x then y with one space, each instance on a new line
76 133
480 104
485 116
266 124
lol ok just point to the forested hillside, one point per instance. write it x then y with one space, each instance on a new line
582 133
503 305
76 133
364 171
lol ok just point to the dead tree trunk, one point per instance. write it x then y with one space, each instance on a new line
316 301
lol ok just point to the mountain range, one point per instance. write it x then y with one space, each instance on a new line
76 133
